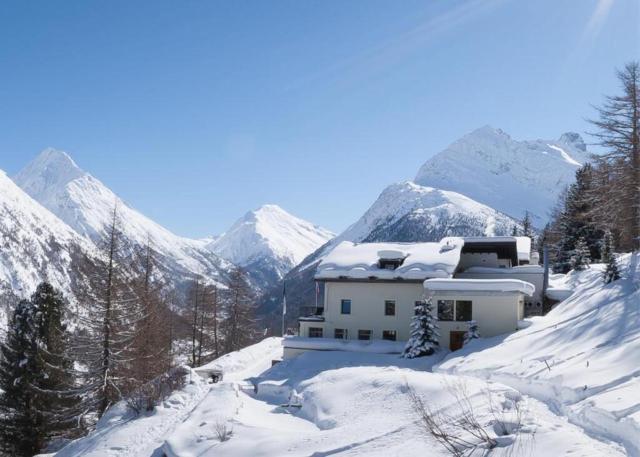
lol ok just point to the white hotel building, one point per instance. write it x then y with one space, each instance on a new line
370 291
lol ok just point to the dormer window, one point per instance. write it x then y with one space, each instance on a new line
389 264
390 259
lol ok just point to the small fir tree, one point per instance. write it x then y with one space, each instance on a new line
611 272
472 332
424 339
581 256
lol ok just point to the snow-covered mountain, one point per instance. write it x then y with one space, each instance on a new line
404 212
410 212
511 176
86 205
268 242
36 245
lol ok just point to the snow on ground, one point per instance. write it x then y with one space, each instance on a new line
583 358
337 403
120 434
574 374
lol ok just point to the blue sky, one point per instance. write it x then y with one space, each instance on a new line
197 111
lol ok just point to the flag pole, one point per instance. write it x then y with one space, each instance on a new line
284 304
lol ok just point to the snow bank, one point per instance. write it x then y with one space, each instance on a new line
255 358
583 357
421 260
119 433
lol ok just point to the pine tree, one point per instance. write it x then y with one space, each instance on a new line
424 339
611 272
40 403
56 397
527 225
472 332
580 257
18 369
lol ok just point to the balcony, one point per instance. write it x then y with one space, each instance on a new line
311 314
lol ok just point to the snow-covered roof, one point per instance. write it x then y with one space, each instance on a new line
480 285
527 269
523 243
420 260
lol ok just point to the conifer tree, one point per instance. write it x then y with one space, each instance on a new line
580 256
472 332
611 272
424 339
18 369
40 403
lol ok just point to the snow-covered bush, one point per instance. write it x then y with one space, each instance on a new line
149 395
425 338
611 272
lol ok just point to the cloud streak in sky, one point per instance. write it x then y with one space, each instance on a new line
597 20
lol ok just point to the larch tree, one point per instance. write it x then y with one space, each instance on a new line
238 325
103 345
149 351
618 132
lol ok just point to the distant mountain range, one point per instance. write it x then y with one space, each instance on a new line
53 217
54 214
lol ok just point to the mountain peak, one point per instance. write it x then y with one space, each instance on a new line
270 232
573 139
51 168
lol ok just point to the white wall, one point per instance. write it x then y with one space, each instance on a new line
495 313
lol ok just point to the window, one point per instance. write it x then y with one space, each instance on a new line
345 306
340 333
463 310
415 307
364 334
445 310
389 335
389 307
315 332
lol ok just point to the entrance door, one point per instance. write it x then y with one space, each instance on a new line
456 340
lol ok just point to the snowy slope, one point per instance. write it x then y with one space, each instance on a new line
350 404
511 176
269 242
86 205
35 245
583 358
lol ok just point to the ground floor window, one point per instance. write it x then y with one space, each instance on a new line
315 332
389 335
445 310
340 333
364 334
463 310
